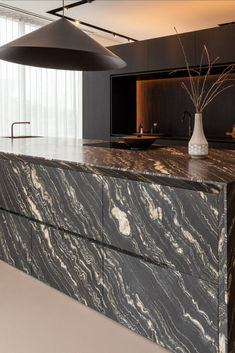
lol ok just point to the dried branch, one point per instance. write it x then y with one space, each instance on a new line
199 73
188 91
206 75
193 93
220 80
200 96
219 92
179 70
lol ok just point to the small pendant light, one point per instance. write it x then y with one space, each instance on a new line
60 45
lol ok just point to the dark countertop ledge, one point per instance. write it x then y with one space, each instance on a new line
167 165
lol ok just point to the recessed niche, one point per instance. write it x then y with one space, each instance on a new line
159 98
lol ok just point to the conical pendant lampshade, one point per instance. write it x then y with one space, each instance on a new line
60 45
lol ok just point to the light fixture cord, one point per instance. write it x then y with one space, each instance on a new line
63 8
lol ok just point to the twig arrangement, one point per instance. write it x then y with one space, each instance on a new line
197 91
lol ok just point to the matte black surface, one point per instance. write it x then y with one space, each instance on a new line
219 44
60 45
123 113
134 54
165 52
160 98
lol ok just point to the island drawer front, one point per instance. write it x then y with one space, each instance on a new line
67 199
179 312
15 241
171 226
15 186
69 264
63 198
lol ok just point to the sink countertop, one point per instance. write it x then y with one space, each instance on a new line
171 164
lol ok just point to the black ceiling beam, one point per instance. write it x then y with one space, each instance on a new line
82 2
74 4
96 27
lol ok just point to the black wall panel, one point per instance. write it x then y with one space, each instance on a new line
218 42
165 53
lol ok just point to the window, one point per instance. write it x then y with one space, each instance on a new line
50 99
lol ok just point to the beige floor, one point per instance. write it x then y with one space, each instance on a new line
35 318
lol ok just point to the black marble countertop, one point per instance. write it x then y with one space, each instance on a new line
114 158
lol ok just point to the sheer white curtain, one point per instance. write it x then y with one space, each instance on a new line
50 99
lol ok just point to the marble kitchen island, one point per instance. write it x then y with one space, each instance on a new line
145 237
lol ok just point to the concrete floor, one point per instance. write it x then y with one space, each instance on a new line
35 318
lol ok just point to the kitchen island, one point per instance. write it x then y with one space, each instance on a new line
145 237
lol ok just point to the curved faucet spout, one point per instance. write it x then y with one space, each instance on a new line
17 123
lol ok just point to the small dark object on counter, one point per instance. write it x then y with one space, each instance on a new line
138 142
154 128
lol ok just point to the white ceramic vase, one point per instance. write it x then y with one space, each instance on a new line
198 145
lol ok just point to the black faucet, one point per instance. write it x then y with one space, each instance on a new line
190 124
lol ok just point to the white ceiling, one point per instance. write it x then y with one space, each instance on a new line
141 19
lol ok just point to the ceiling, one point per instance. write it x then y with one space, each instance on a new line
140 19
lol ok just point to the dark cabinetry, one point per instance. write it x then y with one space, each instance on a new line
68 263
156 261
64 261
156 54
15 186
67 199
134 54
15 241
151 301
165 53
219 44
159 56
147 298
166 225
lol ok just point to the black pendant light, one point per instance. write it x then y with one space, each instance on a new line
60 45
